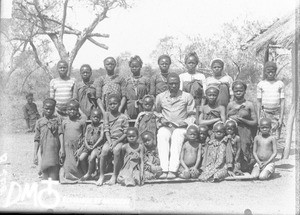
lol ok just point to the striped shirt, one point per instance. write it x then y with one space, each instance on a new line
270 92
62 91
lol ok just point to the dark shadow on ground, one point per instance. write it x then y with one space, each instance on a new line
284 166
275 176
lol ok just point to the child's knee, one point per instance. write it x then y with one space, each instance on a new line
105 150
117 149
264 175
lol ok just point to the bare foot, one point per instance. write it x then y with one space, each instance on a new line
163 176
85 177
100 181
171 175
112 180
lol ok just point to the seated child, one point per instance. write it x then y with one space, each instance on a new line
92 142
190 155
152 167
214 163
203 134
147 120
74 128
31 114
264 151
85 91
233 148
211 112
132 171
49 137
115 128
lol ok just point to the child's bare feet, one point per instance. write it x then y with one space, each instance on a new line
112 180
171 175
100 181
163 176
85 177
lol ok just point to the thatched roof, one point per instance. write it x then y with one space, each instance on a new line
281 32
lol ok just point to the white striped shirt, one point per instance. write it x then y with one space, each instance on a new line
270 92
61 90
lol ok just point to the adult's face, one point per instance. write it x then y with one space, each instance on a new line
173 84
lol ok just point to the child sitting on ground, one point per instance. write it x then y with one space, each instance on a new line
74 128
152 167
212 112
214 163
190 155
92 142
115 128
49 137
31 114
85 91
233 148
132 171
147 120
264 151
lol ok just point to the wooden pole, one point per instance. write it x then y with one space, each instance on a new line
295 75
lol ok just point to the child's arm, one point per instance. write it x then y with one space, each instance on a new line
36 142
198 157
100 138
62 152
101 105
274 146
181 157
238 151
222 113
254 151
122 104
282 107
142 163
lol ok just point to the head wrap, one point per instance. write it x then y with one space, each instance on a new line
217 60
191 54
136 58
214 86
113 95
239 82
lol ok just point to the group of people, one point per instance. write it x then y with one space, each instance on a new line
186 125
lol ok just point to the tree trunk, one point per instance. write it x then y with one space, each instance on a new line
289 132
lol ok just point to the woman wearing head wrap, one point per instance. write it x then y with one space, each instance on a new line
224 82
137 86
244 114
192 81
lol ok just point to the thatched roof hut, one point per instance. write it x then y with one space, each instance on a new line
281 32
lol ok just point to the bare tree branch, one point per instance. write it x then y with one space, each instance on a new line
98 44
63 20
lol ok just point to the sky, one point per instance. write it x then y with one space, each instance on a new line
138 29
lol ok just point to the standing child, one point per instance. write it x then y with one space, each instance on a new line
212 112
190 156
233 148
158 82
147 120
203 134
132 171
115 128
137 86
222 80
92 142
74 128
192 81
49 137
31 114
214 162
61 88
270 96
264 151
85 91
152 167
111 83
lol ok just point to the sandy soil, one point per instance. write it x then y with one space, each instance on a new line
276 196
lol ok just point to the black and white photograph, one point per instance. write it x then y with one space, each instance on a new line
150 106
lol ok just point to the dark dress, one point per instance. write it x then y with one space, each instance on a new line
158 84
136 89
246 134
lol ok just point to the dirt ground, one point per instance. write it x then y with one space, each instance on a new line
276 196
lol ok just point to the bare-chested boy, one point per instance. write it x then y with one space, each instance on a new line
264 151
190 155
